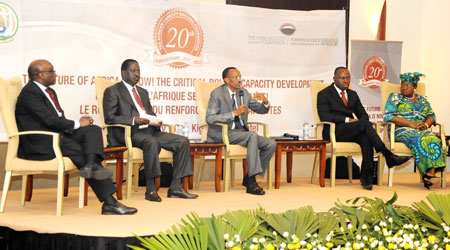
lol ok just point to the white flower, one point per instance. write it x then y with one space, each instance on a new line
274 233
286 234
358 237
236 236
376 228
365 238
364 226
283 245
302 242
262 240
390 220
315 235
307 235
349 226
446 228
230 243
226 236
416 227
328 238
255 240
252 246
424 229
293 236
342 229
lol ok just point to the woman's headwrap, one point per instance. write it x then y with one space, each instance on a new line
411 77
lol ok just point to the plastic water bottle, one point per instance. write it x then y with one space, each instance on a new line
312 132
185 130
306 130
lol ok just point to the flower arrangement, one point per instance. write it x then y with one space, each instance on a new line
359 224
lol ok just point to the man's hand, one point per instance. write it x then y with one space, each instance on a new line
86 121
352 120
418 125
260 97
241 110
140 121
158 125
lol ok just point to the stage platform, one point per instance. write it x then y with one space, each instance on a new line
36 224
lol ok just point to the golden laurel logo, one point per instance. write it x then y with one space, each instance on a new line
373 72
178 40
9 23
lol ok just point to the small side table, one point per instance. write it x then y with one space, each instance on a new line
200 148
299 146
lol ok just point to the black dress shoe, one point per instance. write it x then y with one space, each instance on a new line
254 188
152 196
245 181
395 160
94 171
118 209
366 184
180 194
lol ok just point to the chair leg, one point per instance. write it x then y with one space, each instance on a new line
350 168
29 189
315 167
226 179
24 189
129 176
380 170
201 167
443 178
60 193
233 171
135 176
390 176
66 185
333 171
81 193
270 173
6 185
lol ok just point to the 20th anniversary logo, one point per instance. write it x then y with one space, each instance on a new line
178 39
9 23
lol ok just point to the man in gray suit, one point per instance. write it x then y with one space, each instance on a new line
126 103
228 104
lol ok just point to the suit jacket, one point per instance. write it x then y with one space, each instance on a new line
331 108
119 108
35 112
220 109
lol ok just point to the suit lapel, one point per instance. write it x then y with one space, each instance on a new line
227 96
334 94
125 94
43 96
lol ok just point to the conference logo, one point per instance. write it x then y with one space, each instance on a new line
178 39
373 72
287 29
9 23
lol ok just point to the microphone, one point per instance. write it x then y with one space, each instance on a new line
294 137
241 96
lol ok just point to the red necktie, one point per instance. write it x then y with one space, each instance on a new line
55 100
343 98
138 100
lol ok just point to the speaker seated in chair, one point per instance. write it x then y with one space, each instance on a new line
411 116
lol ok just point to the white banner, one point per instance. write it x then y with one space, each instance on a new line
277 51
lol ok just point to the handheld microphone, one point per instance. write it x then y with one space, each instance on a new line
294 137
241 96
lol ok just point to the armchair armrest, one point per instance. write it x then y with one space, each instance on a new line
332 132
265 127
170 127
441 133
224 133
127 134
55 143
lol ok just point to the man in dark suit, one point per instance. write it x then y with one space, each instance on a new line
38 108
228 104
340 105
126 103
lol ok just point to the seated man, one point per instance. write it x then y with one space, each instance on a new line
126 103
228 104
38 108
340 105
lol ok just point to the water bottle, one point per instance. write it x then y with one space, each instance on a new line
312 132
306 130
185 130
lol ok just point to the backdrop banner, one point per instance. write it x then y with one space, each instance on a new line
373 62
278 52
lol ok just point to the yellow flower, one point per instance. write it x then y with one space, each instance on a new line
309 246
236 248
296 240
431 238
381 248
424 241
297 246
447 247
407 246
290 246
391 245
371 239
329 245
270 247
448 233
356 246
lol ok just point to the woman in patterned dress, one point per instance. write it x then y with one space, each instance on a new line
413 115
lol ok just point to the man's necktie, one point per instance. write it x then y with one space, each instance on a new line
55 100
138 100
343 98
237 121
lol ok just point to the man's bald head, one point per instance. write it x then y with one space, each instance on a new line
42 71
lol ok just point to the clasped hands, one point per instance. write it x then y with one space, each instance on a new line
144 121
419 125
86 120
